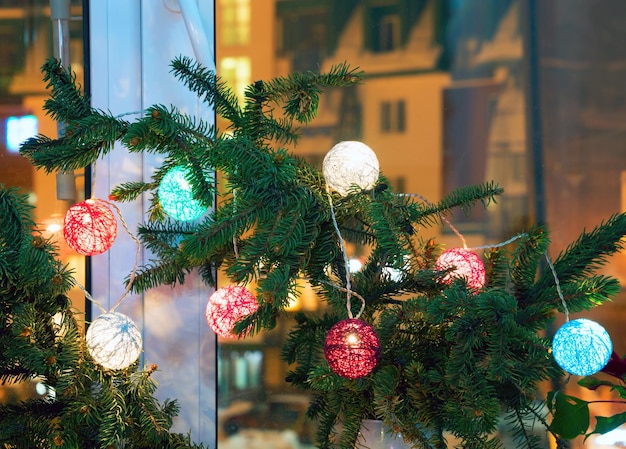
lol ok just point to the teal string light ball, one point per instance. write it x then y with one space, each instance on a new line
582 347
176 196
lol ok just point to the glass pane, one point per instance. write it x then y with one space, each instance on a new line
526 93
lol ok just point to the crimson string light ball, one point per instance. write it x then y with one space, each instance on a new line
465 264
176 196
352 348
350 163
90 227
114 341
228 305
582 347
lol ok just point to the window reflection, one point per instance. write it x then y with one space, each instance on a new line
236 71
234 23
446 104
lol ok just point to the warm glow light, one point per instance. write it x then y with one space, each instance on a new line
114 341
582 347
89 227
176 196
352 348
227 306
51 228
352 339
350 163
465 264
355 265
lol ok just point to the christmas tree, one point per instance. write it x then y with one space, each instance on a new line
86 406
436 344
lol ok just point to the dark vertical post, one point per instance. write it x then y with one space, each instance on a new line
534 132
87 171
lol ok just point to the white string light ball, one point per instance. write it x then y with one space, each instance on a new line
352 348
114 341
350 163
90 227
228 305
465 264
176 196
582 347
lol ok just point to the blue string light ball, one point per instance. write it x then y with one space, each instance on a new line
582 347
176 196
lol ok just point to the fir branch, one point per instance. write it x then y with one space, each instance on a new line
527 259
464 198
66 102
208 87
300 91
588 253
80 146
129 191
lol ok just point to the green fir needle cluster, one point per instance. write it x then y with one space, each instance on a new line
454 361
42 341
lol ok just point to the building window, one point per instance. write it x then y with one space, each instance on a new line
235 22
389 32
236 72
393 116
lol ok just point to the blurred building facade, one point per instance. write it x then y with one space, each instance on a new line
459 93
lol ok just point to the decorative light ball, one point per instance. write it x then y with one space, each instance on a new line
90 227
228 305
114 341
350 163
465 264
352 348
176 196
582 347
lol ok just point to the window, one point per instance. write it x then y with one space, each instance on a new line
388 33
235 22
18 129
236 72
392 116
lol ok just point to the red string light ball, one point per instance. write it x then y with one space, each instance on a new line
89 227
465 264
227 306
352 348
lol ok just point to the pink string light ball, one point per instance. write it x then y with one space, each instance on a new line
352 348
89 227
465 264
227 306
